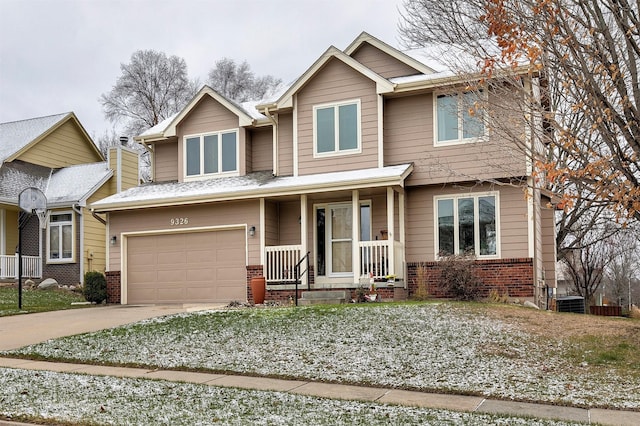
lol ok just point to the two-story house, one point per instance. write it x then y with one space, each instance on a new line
371 162
55 155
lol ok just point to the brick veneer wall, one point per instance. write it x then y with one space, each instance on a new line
513 277
64 273
113 286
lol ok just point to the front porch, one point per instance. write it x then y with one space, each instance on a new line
350 237
31 267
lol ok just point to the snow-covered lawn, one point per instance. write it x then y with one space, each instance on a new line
76 398
438 347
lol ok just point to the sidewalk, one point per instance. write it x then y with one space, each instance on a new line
348 392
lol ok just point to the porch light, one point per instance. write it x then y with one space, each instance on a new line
252 231
112 240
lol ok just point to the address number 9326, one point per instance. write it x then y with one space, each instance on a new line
175 221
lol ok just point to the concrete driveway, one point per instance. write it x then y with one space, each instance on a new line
20 330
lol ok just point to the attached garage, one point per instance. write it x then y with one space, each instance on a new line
186 267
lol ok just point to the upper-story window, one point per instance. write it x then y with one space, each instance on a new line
61 238
211 153
467 224
459 117
336 128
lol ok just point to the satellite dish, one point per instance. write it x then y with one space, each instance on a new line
32 200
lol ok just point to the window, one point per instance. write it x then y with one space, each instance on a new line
467 224
61 237
213 153
458 117
336 128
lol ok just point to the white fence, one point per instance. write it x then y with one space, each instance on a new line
9 267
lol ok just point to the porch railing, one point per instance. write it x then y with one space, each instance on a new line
9 266
280 262
374 259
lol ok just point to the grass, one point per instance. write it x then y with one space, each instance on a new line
67 399
37 301
497 351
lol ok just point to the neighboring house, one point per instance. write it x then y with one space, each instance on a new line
57 156
360 162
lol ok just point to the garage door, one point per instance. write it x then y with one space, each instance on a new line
192 267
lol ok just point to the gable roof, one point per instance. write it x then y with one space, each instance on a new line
18 136
286 100
246 112
401 56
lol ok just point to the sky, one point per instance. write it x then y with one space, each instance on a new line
60 55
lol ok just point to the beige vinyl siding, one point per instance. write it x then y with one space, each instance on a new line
209 116
11 228
165 161
271 223
285 145
199 216
94 235
65 146
261 149
337 82
420 225
409 138
382 63
289 212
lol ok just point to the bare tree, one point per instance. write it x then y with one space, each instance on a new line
152 87
623 274
584 55
238 82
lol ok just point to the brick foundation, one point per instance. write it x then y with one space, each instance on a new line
513 277
113 286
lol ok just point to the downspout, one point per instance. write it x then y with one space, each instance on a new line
275 140
76 208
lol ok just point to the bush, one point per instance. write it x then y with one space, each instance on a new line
457 278
422 293
95 287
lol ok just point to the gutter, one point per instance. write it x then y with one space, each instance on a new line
397 180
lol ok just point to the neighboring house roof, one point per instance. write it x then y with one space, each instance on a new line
18 175
74 184
254 185
62 187
18 136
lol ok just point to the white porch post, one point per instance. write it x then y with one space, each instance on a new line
3 232
390 227
263 232
401 218
355 235
303 228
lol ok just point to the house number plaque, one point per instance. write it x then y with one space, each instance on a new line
175 221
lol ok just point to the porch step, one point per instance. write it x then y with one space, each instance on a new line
333 297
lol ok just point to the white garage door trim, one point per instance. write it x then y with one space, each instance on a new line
124 242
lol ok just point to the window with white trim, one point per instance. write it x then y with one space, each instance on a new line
459 117
211 154
336 128
60 233
467 224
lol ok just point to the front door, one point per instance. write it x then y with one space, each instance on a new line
334 237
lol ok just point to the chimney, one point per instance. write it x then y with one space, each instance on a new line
124 140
